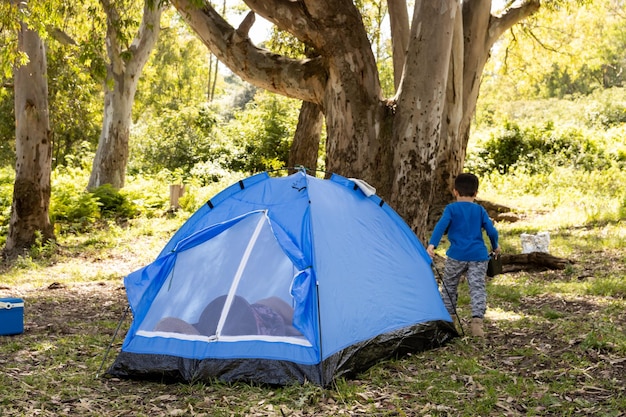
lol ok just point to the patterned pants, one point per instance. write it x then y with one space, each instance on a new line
475 272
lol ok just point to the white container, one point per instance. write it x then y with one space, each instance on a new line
528 242
542 242
535 243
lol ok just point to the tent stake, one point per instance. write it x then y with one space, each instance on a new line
106 354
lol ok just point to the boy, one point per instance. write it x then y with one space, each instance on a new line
464 222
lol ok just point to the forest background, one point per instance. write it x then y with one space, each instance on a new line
552 97
548 141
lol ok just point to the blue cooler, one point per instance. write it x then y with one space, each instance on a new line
11 316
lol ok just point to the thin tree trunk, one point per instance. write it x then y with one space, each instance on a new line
209 88
306 141
33 147
217 64
212 77
109 165
123 72
400 31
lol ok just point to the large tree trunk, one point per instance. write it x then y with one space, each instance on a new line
123 72
352 100
421 102
449 161
33 147
477 34
306 141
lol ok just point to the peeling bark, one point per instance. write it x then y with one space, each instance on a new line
479 30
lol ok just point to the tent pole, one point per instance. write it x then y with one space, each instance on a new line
319 326
106 354
443 283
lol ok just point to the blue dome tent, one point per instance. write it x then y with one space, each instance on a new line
283 280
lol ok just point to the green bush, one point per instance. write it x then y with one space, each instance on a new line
70 203
607 109
77 208
505 150
113 203
7 128
537 149
260 136
177 139
200 144
560 82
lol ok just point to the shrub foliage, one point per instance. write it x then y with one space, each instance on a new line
539 149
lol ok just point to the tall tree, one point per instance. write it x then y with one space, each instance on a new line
408 145
123 71
33 147
73 87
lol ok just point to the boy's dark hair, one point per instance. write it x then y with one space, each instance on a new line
466 184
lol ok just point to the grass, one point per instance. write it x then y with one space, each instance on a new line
555 345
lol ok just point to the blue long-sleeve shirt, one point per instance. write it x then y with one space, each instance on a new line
464 223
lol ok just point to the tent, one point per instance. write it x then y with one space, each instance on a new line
283 280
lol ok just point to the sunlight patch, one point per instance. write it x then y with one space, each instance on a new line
502 315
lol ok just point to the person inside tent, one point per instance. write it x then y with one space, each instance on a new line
270 316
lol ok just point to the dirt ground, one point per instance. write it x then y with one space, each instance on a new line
59 311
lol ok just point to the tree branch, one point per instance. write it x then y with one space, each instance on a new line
400 32
303 79
289 16
146 37
246 24
60 36
113 44
511 16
